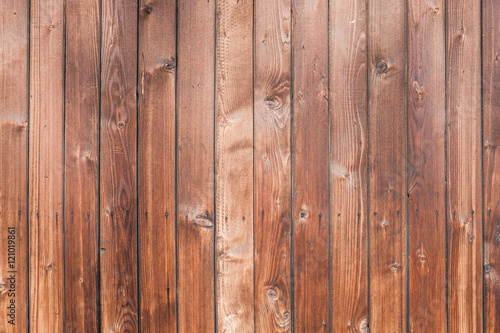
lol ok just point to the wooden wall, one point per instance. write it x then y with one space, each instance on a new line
249 166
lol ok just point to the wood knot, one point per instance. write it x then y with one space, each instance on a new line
384 224
396 266
169 65
488 268
148 9
272 294
203 222
121 125
273 102
24 124
381 66
422 258
51 27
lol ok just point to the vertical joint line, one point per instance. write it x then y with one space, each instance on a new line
330 292
368 166
214 152
137 108
176 169
292 170
446 144
28 209
98 213
406 207
65 322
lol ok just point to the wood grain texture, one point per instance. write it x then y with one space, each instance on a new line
386 80
272 166
46 172
310 165
81 163
426 166
157 70
348 165
491 144
234 174
464 170
14 57
195 123
118 166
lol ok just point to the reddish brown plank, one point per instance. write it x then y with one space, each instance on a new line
234 176
426 166
81 159
157 39
272 166
118 166
310 164
14 57
387 186
46 165
491 144
464 169
348 165
195 122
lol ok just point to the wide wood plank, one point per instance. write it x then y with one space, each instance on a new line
118 227
426 166
387 188
157 48
46 173
195 122
234 128
81 159
272 166
348 165
491 144
310 165
14 55
464 170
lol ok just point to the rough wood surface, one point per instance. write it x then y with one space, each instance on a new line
118 167
464 169
272 166
426 166
13 164
157 71
491 144
81 164
234 202
46 171
310 165
386 79
195 177
348 166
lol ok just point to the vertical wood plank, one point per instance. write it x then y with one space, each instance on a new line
491 137
81 163
234 216
157 49
14 43
386 42
46 165
272 166
118 166
310 164
426 166
195 121
464 170
348 165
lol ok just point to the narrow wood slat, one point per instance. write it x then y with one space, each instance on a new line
464 170
387 189
348 165
46 175
157 48
491 144
81 164
426 166
310 165
195 121
118 166
272 166
14 43
234 128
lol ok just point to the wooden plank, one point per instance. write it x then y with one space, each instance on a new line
118 166
272 166
81 160
234 175
195 179
46 160
14 43
426 166
310 165
157 48
348 165
387 189
491 144
464 170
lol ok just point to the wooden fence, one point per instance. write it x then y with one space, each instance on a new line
249 166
